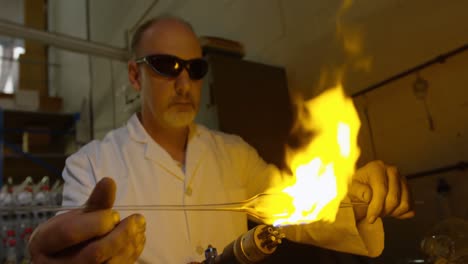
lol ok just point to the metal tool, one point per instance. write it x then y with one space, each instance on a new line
252 247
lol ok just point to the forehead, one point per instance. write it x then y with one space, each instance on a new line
170 37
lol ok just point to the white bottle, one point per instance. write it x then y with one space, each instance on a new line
25 256
7 227
24 195
42 198
56 193
8 197
11 257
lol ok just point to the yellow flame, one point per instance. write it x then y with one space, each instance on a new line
323 169
344 135
352 40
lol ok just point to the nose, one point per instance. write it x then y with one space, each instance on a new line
183 83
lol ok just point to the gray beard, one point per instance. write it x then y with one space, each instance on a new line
179 119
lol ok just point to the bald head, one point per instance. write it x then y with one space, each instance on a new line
159 27
166 101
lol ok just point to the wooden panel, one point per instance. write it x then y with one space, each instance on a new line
253 102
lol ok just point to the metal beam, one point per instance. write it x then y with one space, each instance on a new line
62 41
439 59
462 165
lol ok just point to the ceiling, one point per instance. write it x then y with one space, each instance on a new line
308 37
303 36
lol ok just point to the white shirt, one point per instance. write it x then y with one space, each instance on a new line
219 168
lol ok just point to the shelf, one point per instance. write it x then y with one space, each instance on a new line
19 167
46 135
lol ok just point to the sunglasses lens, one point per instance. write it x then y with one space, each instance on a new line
197 69
172 66
165 65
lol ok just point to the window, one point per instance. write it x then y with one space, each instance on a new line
9 66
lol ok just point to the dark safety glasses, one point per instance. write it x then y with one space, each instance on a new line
172 66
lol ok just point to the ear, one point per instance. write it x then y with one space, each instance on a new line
134 75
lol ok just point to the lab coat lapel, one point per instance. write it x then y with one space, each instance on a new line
157 154
196 148
152 150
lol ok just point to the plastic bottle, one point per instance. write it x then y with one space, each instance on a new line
56 193
42 197
24 221
8 224
4 221
24 195
25 256
8 197
3 193
11 257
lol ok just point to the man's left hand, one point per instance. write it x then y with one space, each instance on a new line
384 189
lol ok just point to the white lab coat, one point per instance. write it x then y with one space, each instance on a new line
219 168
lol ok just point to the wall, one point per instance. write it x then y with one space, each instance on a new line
70 78
402 136
78 74
109 24
300 35
12 11
399 118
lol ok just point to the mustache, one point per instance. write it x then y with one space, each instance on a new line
186 99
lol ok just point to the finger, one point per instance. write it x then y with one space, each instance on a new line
359 192
103 195
379 183
139 249
129 256
407 215
102 249
123 245
72 228
392 201
405 200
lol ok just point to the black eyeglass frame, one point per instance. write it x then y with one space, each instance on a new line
185 64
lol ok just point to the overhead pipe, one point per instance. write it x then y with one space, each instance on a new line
439 59
62 41
463 165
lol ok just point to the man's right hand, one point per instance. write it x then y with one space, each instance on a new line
91 235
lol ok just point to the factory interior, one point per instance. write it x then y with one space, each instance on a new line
402 65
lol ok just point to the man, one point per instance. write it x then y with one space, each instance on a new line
161 157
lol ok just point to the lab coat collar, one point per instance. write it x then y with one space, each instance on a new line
136 130
153 151
139 134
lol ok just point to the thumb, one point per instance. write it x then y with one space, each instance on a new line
103 195
360 192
